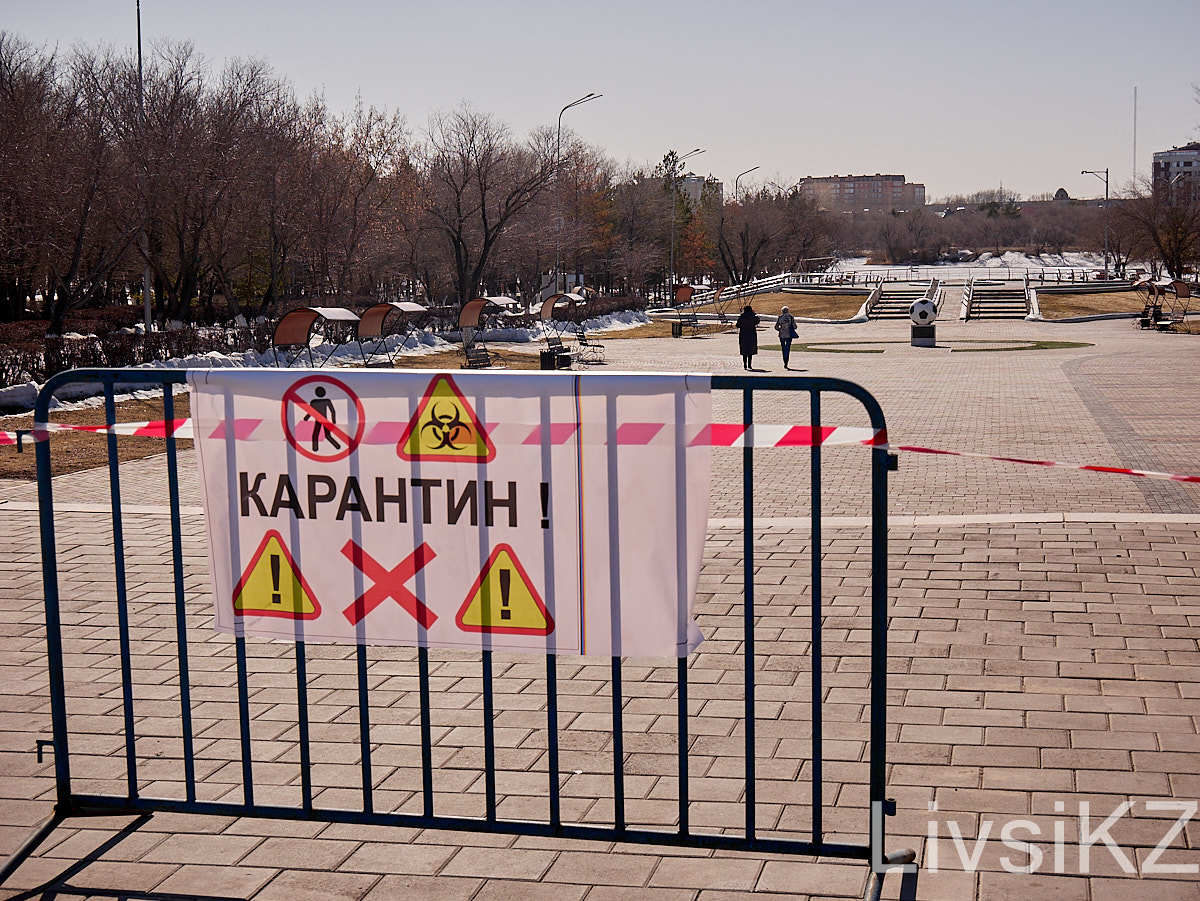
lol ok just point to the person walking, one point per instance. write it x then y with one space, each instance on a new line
786 326
747 324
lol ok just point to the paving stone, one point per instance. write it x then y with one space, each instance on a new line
1036 658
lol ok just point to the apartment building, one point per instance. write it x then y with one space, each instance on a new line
1177 171
864 193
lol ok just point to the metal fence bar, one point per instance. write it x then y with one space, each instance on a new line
426 732
239 646
552 737
364 726
306 799
748 602
880 808
816 691
618 748
54 654
489 740
181 645
118 538
682 737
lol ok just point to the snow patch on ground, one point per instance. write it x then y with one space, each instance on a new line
17 399
1010 258
609 322
21 398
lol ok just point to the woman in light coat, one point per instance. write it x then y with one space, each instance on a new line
786 326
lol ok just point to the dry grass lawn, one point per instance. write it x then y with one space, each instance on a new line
1064 306
657 329
75 451
806 306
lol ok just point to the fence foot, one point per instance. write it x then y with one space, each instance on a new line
30 844
875 886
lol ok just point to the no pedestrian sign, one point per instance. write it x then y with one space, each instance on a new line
548 513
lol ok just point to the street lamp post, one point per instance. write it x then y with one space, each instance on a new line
739 178
671 192
1104 177
147 275
591 95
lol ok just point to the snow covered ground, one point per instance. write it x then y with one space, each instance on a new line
17 399
1009 258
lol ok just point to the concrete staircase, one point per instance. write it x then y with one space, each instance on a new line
895 298
996 301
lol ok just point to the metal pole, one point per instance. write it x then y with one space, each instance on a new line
147 275
1096 172
559 224
1106 221
671 255
591 95
739 178
671 251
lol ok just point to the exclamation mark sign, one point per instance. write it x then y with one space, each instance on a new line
276 597
505 582
545 505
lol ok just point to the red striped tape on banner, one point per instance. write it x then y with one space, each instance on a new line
717 434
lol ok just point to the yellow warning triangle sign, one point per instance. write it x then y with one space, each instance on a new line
445 428
503 599
272 584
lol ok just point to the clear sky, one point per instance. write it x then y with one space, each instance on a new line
958 95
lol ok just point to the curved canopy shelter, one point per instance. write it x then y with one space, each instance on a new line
373 324
295 330
468 319
503 302
683 294
546 314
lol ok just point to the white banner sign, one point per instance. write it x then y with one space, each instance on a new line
546 512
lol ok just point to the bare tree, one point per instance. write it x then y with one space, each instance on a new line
477 180
1168 220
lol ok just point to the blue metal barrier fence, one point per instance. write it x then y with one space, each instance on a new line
69 803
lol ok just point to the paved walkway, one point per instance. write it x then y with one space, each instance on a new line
1044 651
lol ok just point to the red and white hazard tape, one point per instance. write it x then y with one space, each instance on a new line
1119 470
384 432
629 433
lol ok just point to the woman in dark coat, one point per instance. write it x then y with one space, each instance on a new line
747 324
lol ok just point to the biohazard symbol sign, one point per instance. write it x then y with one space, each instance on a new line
272 584
322 418
445 428
503 599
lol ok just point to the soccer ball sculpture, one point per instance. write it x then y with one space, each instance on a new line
923 312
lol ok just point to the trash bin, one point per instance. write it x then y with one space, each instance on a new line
548 359
676 329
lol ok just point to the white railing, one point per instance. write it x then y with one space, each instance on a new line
873 298
934 293
968 289
868 277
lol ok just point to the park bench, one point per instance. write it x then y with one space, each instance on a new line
1181 294
564 355
589 349
477 356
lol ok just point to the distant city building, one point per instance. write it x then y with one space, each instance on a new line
860 193
693 187
1178 171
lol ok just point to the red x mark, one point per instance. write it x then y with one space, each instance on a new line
389 583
